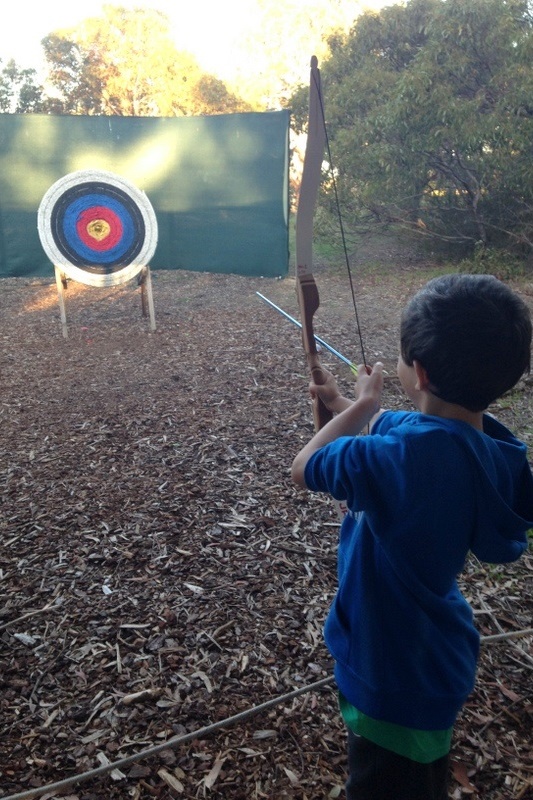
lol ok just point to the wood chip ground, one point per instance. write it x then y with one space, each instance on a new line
159 571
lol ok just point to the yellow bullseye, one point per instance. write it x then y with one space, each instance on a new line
98 229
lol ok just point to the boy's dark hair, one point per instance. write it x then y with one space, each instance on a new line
471 334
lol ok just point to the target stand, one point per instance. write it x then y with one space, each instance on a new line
100 230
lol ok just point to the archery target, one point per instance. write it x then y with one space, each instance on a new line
97 227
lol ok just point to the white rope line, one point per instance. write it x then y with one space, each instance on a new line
497 637
175 741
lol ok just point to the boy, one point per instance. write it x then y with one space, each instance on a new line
422 490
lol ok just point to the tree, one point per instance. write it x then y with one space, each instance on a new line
75 74
210 95
125 63
431 119
19 91
283 35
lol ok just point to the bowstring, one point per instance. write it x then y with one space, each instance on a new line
341 223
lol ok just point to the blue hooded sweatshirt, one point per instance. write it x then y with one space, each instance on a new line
422 492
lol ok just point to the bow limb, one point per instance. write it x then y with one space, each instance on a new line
308 298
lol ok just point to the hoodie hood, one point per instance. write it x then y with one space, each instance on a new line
500 534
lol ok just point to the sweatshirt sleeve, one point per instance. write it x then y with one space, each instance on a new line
361 471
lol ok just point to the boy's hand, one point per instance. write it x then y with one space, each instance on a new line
369 384
327 392
352 415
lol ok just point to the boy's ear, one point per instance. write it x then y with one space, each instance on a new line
423 384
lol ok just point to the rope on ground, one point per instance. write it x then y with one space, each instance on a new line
498 637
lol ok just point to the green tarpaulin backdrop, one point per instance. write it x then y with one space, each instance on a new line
218 185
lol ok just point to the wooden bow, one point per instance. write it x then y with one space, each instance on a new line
308 299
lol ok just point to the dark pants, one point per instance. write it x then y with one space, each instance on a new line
379 774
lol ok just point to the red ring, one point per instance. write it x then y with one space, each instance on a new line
91 215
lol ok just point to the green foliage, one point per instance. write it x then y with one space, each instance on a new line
430 117
494 261
19 91
210 95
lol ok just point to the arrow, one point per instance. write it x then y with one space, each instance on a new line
319 341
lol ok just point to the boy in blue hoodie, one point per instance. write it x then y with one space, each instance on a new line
422 490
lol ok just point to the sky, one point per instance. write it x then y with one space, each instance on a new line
27 22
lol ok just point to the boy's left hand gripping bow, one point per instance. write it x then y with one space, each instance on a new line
306 287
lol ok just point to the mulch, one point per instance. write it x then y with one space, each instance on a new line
161 574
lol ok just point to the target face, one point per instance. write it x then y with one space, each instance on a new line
97 227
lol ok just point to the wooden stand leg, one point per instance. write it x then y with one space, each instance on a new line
142 283
61 284
147 297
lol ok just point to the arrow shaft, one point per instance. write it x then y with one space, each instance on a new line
294 321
